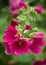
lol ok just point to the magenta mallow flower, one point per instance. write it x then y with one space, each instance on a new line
14 23
7 48
10 63
39 62
38 9
11 34
27 27
36 43
44 61
18 47
16 5
45 42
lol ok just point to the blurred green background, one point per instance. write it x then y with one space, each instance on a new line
4 22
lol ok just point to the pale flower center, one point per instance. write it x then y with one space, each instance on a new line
19 43
16 35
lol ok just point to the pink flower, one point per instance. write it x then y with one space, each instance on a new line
17 47
45 42
40 37
11 34
20 46
16 5
15 2
7 48
27 27
44 61
39 62
10 63
36 43
38 9
14 23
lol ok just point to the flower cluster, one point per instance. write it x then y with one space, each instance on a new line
21 36
16 45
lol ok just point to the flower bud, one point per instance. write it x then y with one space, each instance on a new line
38 9
10 63
27 27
